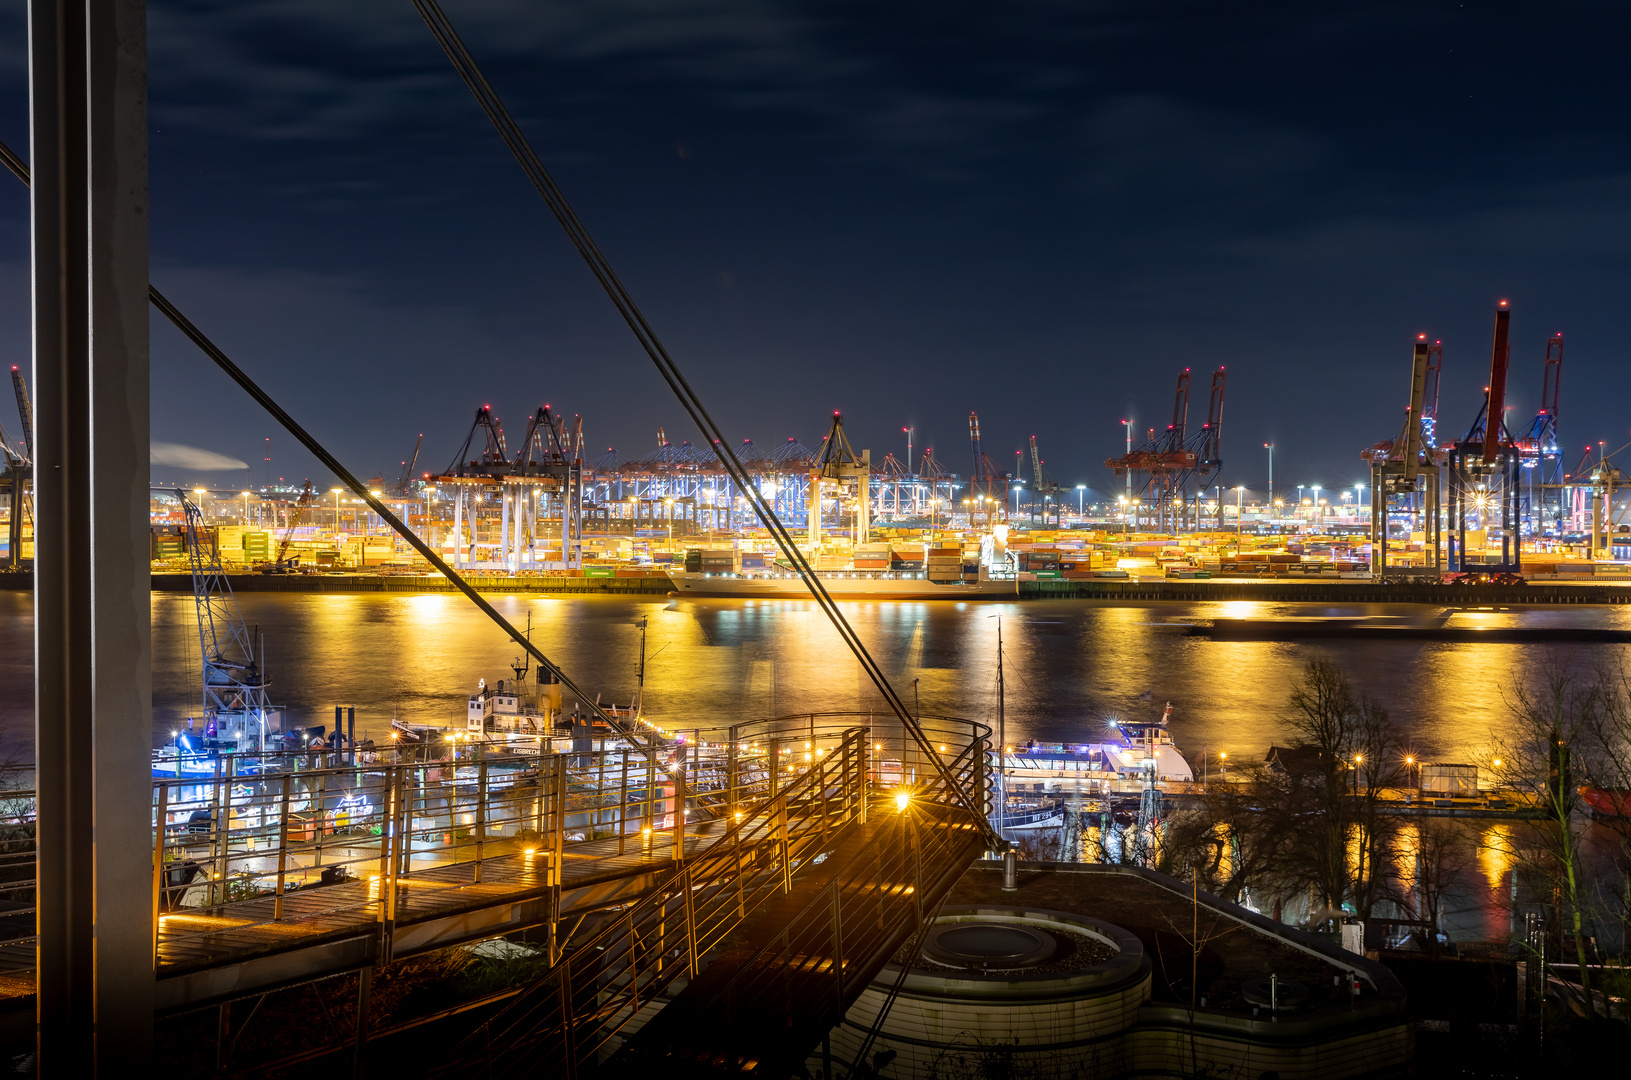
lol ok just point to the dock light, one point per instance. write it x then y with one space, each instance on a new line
1223 755
529 852
903 799
942 749
1409 761
877 746
1497 763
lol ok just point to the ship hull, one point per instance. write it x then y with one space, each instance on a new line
840 585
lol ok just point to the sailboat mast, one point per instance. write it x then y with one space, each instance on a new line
640 678
1002 734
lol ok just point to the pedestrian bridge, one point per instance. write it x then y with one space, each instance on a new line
636 864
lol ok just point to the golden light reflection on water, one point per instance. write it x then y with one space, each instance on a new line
1496 855
1069 664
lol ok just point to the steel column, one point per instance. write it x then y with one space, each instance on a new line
93 681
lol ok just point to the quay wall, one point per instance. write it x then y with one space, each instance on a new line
1330 592
1310 592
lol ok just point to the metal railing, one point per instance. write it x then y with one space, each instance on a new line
817 780
263 851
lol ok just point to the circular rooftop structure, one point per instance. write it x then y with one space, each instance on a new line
985 945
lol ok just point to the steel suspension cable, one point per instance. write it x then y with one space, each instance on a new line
237 375
510 132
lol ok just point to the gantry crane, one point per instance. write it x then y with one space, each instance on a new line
1044 486
1483 478
839 464
19 470
1160 467
1541 457
988 486
1405 472
1207 444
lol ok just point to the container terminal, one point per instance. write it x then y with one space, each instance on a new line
1487 507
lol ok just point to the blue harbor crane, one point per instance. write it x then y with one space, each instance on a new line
235 711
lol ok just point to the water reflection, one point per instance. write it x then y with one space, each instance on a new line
1067 664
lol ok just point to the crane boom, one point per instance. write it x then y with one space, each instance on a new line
1036 463
413 460
1494 411
977 478
25 412
295 514
1551 378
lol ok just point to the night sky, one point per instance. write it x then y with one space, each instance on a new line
1039 211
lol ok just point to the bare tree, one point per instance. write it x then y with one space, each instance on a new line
1550 753
1439 851
1343 818
1235 835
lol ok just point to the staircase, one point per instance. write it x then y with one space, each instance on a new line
792 968
755 945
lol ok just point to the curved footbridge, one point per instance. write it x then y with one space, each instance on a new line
793 855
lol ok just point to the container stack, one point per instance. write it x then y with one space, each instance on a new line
872 556
945 564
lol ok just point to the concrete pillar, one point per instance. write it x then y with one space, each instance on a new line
814 508
458 526
504 496
92 658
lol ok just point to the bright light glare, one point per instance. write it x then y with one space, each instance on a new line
902 800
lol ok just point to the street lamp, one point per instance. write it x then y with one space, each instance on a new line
1240 516
670 504
1080 490
246 507
336 493
1270 448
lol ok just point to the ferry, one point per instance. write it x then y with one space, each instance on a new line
1133 751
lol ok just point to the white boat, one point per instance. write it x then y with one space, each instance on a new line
840 585
1024 819
1134 751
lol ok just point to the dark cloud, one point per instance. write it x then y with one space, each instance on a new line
1041 212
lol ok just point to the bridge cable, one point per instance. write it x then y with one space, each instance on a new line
510 132
234 372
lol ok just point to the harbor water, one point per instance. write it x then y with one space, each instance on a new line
1070 666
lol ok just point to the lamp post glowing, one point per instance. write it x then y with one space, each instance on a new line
336 493
1080 491
1270 448
246 507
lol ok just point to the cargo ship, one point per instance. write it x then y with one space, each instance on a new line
840 585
